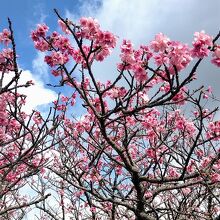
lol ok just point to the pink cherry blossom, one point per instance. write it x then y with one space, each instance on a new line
216 56
63 27
5 37
160 43
201 44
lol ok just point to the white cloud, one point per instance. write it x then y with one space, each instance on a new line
140 20
37 95
40 67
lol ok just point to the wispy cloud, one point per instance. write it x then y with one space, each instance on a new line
40 68
37 95
39 12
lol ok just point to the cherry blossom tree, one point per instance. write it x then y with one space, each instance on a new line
146 146
23 137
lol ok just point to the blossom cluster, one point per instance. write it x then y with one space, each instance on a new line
5 37
135 60
214 130
6 55
216 56
175 55
201 44
59 47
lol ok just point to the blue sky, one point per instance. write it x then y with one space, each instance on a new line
25 14
137 20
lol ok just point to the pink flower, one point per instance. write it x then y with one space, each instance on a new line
214 130
217 51
216 61
56 58
215 177
160 43
201 44
161 59
41 31
56 72
62 43
151 153
172 172
186 191
93 209
41 45
179 55
3 118
2 134
8 53
64 27
180 97
89 28
216 56
126 47
113 93
205 161
199 153
140 73
118 170
5 37
148 194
